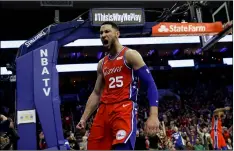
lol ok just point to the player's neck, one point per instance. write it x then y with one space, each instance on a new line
115 49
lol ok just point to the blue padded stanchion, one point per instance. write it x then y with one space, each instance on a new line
25 102
44 89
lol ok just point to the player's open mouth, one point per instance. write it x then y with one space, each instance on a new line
105 42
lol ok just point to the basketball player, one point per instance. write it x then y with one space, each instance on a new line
114 126
216 131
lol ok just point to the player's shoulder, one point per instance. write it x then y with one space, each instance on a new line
131 52
101 61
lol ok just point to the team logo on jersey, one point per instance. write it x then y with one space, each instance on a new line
112 70
121 134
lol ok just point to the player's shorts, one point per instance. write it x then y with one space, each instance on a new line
113 124
218 140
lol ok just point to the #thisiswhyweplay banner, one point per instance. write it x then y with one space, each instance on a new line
121 16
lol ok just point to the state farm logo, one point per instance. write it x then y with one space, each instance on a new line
163 28
181 28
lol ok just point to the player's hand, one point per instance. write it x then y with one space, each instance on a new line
81 125
227 108
152 126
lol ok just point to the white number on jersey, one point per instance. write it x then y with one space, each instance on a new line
116 82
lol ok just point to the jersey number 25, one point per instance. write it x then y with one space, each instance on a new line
116 82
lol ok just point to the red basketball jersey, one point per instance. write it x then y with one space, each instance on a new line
217 124
120 81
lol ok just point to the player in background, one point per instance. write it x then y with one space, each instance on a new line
216 131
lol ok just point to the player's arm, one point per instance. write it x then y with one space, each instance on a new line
220 110
94 98
164 129
198 130
135 60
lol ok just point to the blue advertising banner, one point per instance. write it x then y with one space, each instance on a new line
121 16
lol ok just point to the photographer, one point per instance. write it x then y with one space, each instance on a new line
8 131
5 123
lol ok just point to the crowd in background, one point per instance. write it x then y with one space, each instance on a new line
154 58
185 112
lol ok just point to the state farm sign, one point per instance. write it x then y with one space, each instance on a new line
178 29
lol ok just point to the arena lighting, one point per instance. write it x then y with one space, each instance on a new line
93 66
151 52
175 51
223 49
123 41
198 51
227 61
77 67
4 71
63 68
78 54
99 54
73 54
181 63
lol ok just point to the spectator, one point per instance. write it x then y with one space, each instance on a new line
189 146
198 145
204 136
170 146
7 127
226 133
67 122
140 141
229 144
83 144
4 123
177 139
154 142
42 142
67 136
